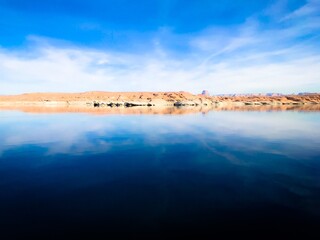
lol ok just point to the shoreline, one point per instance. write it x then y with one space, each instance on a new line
102 103
158 110
151 99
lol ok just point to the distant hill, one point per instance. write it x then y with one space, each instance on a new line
250 94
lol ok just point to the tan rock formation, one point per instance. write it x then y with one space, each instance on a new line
151 99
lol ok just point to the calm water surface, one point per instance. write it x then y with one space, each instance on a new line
74 174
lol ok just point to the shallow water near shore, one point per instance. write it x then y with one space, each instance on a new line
203 173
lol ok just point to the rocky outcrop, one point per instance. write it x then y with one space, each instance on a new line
205 93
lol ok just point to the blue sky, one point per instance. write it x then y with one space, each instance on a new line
159 45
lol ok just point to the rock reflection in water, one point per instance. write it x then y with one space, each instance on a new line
157 110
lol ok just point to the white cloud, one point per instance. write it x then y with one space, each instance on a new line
244 58
72 70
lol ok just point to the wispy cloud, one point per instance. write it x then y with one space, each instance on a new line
310 8
251 57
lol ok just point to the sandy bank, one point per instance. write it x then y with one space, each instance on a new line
150 99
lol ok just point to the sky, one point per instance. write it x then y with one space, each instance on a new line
223 46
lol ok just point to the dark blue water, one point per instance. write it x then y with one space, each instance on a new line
70 175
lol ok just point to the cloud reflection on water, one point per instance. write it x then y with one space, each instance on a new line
279 150
292 134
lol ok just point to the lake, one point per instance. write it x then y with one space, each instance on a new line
134 175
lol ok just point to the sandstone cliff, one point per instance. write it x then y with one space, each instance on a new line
150 99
